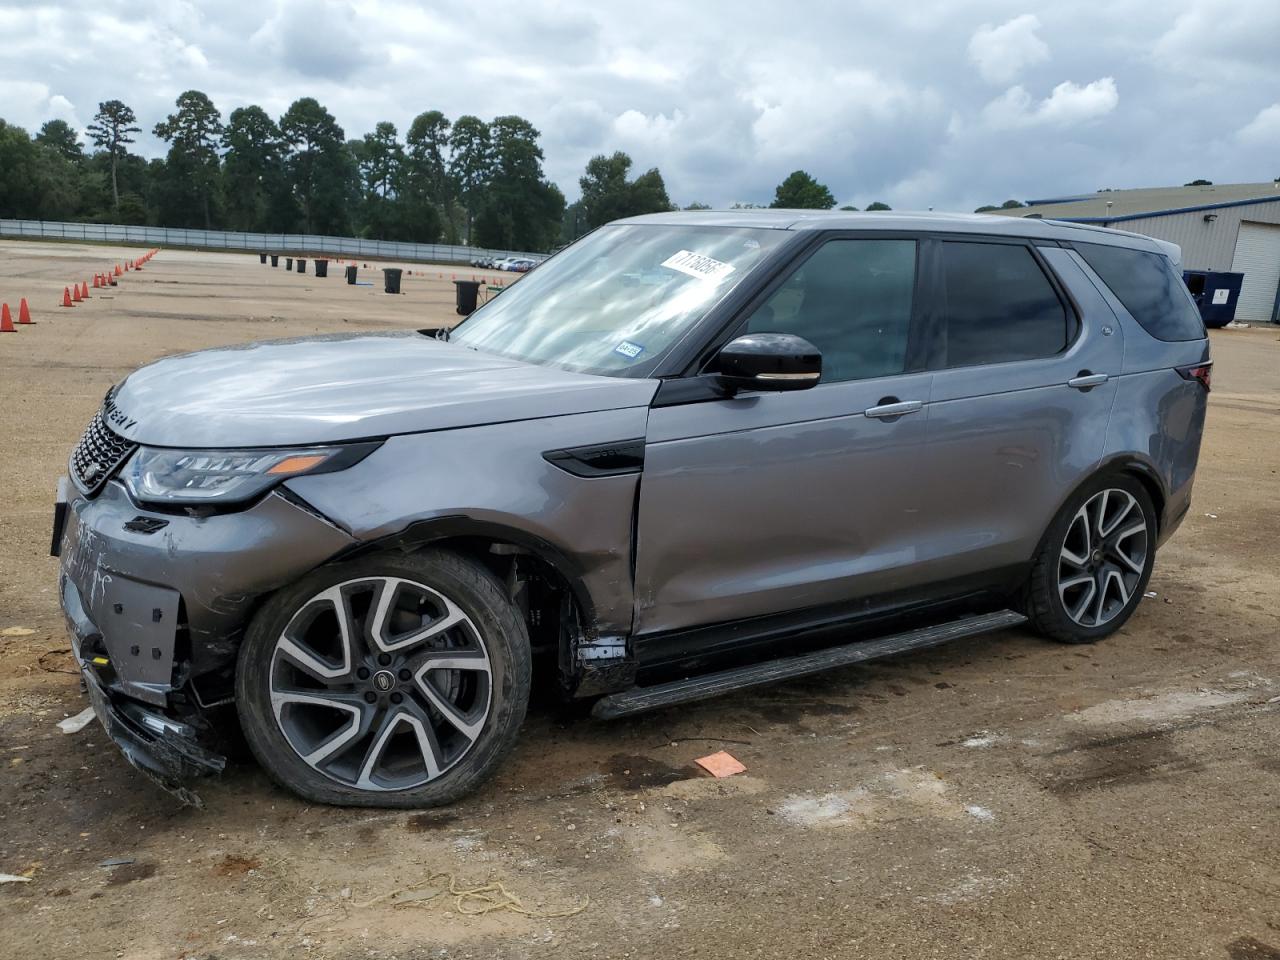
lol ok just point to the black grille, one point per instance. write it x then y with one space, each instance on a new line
98 455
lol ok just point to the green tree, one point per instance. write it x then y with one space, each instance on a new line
471 164
321 169
985 208
194 133
878 205
801 192
607 194
521 210
1199 183
19 174
1011 205
425 147
698 206
59 136
112 129
853 208
255 183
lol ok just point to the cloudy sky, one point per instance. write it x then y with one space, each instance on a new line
922 103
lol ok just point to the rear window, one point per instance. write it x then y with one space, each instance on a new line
999 305
1149 289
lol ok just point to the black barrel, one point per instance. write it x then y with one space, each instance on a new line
302 266
288 264
351 274
275 259
262 258
468 292
322 268
391 279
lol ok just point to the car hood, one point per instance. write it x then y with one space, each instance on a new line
325 389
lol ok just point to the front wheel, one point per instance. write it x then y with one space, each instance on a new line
1095 561
396 680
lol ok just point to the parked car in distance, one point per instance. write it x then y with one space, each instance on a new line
691 453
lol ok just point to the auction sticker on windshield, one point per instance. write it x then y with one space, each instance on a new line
696 265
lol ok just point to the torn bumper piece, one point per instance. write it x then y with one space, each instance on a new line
166 750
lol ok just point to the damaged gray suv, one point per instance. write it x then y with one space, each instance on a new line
689 454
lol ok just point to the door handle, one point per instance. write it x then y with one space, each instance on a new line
1086 380
896 408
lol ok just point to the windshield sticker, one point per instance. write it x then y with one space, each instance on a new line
628 349
696 265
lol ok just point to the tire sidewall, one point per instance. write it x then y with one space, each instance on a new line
468 585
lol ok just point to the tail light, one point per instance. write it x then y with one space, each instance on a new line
1199 372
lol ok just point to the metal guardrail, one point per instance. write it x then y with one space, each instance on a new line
288 243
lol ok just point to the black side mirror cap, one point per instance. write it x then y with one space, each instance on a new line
769 361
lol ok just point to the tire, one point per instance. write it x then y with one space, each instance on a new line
1083 590
396 680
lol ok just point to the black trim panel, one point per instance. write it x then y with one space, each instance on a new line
600 459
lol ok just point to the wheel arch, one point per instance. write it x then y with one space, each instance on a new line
493 545
1125 465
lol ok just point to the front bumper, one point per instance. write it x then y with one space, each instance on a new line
156 605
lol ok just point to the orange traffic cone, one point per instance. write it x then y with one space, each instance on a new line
96 281
24 312
66 297
84 290
117 269
75 294
6 321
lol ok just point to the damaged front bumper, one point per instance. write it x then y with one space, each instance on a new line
156 604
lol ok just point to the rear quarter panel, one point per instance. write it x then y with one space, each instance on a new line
1158 419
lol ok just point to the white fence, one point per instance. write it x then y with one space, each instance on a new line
286 243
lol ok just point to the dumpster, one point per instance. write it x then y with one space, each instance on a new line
275 260
322 268
288 264
391 279
351 274
262 258
302 266
467 293
1216 293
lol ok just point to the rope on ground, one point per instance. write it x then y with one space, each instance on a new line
470 901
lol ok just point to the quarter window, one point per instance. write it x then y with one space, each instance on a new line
999 305
852 300
1149 289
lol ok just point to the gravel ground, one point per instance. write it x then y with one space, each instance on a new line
1002 797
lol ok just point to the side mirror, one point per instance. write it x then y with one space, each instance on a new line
769 361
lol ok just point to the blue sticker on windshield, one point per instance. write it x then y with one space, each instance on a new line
628 349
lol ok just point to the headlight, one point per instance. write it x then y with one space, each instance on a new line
228 476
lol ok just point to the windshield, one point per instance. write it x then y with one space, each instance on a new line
617 298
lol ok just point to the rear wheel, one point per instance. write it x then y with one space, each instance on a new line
1095 562
398 680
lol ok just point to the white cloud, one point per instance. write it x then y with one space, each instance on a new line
1001 53
880 101
1068 105
1264 129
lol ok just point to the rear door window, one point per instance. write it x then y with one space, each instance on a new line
852 299
998 305
1149 289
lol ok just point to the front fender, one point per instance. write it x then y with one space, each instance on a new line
496 478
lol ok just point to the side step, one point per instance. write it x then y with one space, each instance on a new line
640 699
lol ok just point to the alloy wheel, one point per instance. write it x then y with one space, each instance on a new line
1102 558
381 683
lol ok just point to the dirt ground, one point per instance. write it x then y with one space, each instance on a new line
1003 797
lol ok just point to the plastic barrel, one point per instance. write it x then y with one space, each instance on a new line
351 275
288 263
391 279
302 266
262 258
468 291
275 260
322 268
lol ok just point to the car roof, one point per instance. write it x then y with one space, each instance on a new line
797 220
